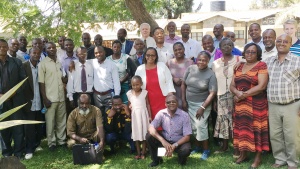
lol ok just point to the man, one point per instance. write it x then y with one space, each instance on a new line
208 45
52 90
148 40
69 55
284 105
98 42
33 133
235 51
85 124
106 80
192 47
139 47
269 37
126 44
255 33
12 72
45 40
37 42
175 135
60 51
13 47
23 47
86 39
218 32
172 37
81 79
164 50
118 124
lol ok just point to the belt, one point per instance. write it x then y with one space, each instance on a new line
289 102
102 93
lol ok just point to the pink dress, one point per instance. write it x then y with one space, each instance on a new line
139 115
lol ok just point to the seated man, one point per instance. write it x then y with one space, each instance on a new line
84 124
118 124
176 131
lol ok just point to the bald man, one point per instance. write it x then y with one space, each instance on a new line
172 37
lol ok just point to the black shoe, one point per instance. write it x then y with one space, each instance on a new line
52 148
63 146
156 163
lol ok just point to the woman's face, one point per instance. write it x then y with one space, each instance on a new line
226 47
178 51
116 48
151 56
202 61
290 29
251 54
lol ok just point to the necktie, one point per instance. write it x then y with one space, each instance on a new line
83 80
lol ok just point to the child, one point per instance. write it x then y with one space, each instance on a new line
140 114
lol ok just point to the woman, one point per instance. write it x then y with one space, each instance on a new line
126 68
290 27
157 80
199 87
177 66
251 106
223 68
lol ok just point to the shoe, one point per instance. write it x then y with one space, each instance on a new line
205 155
28 156
52 148
39 148
142 156
155 163
63 146
278 165
196 150
242 161
137 157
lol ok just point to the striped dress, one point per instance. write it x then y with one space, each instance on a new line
251 114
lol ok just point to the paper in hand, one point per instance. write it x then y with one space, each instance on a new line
161 151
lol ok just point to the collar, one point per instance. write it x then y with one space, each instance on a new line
273 50
10 54
176 112
31 65
215 39
66 56
175 37
287 57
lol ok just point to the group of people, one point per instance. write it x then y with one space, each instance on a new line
159 91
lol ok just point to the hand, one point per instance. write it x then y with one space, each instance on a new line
236 99
177 81
200 113
83 140
237 65
240 95
126 108
185 106
72 105
71 66
169 149
101 145
64 79
130 107
1 95
47 102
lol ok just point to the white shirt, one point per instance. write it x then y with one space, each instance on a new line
150 43
18 57
260 44
266 54
106 76
60 53
123 46
165 53
36 101
74 79
192 48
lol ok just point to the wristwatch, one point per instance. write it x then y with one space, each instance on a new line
176 144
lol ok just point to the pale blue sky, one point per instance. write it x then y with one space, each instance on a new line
229 5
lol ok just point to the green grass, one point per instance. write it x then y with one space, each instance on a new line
62 159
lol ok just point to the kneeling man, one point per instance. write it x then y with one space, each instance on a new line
175 135
84 124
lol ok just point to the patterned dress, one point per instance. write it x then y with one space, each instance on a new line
251 114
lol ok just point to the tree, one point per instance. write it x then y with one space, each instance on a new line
268 4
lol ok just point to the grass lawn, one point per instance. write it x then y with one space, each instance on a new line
62 159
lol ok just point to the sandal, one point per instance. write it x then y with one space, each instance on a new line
137 157
142 156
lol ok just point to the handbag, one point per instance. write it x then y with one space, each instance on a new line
86 154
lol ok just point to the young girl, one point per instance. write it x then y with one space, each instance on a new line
140 114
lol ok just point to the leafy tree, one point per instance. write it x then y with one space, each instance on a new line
267 4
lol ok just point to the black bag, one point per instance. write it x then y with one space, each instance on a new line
86 154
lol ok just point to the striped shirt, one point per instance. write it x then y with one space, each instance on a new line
284 83
295 49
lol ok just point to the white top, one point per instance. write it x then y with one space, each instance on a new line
121 64
60 53
164 77
74 79
192 48
36 101
266 54
260 43
165 53
106 76
150 43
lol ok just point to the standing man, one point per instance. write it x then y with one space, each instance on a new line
164 50
192 47
13 47
81 79
98 42
172 37
33 132
175 135
86 39
255 33
208 45
69 55
139 46
23 47
52 90
126 44
106 80
60 51
37 42
218 32
12 73
284 104
269 37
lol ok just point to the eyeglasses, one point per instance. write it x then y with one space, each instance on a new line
250 52
171 102
282 41
148 55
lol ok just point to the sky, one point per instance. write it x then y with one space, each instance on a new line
229 4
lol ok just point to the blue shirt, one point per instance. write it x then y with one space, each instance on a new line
140 59
295 48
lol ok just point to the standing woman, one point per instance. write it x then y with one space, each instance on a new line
177 66
290 27
126 68
199 88
157 80
251 106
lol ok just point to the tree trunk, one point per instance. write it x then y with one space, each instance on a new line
140 14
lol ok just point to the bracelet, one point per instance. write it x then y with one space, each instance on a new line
202 107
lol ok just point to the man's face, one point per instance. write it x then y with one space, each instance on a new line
269 39
171 28
139 46
283 44
121 35
38 43
35 55
117 105
159 36
61 41
3 49
290 29
231 36
44 40
145 31
172 103
254 31
218 30
86 39
84 104
81 54
99 54
185 31
208 44
98 40
50 49
14 46
23 42
69 46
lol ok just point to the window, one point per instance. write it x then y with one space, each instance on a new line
197 36
239 34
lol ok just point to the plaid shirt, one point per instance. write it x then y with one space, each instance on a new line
284 84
